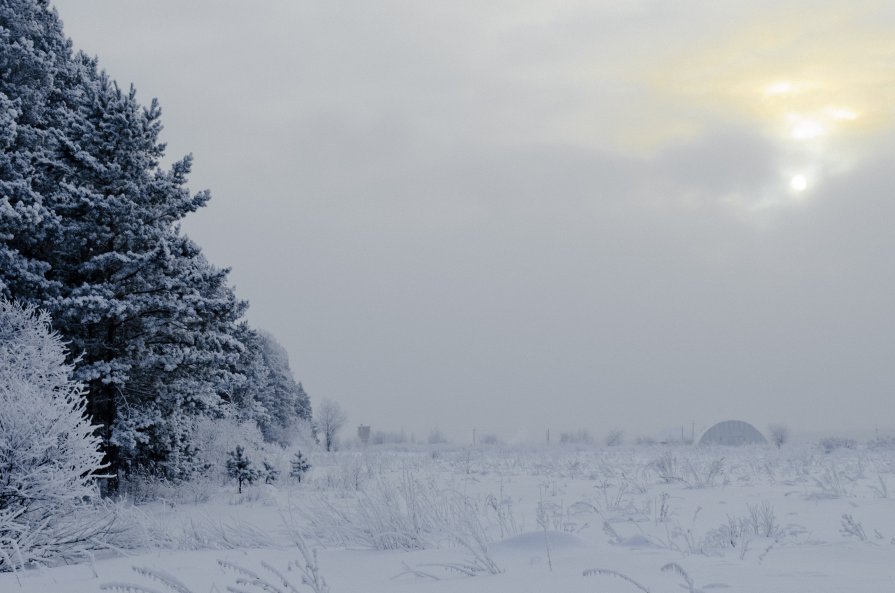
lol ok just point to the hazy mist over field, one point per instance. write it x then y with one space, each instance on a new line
591 215
480 297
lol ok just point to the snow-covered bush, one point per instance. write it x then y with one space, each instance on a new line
667 467
405 512
830 444
348 473
216 438
49 454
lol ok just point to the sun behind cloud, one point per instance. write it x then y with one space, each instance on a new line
821 91
798 183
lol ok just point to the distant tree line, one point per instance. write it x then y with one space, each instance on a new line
89 233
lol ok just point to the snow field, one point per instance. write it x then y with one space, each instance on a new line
516 519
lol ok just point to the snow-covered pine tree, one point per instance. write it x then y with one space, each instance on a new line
49 455
270 472
302 403
154 321
89 231
245 396
284 400
300 466
34 60
240 468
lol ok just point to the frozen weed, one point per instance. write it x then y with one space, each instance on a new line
851 527
830 484
615 574
169 581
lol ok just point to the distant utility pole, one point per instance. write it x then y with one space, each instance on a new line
473 437
548 436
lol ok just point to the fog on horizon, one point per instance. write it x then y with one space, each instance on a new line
529 216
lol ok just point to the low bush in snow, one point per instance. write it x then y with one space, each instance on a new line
48 450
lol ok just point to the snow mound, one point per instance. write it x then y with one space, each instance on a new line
534 540
637 541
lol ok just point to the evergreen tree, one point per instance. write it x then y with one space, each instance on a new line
89 231
154 322
270 473
302 403
34 64
284 401
246 395
239 467
300 466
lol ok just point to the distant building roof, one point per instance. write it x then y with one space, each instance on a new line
732 432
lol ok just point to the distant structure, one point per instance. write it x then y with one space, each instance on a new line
363 433
734 433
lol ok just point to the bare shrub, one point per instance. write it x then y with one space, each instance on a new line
779 434
579 437
489 439
407 514
704 475
830 484
382 437
383 517
763 520
667 468
436 437
330 419
830 444
735 534
615 438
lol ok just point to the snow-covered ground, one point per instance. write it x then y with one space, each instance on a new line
516 519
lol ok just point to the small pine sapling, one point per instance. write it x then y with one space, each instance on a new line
270 473
300 466
239 467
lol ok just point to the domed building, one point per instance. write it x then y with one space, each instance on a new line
733 433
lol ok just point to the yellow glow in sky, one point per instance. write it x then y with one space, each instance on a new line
805 128
841 113
816 84
779 88
825 66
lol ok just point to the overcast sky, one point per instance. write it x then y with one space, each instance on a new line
521 215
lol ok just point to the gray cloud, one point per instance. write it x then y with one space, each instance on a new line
421 207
